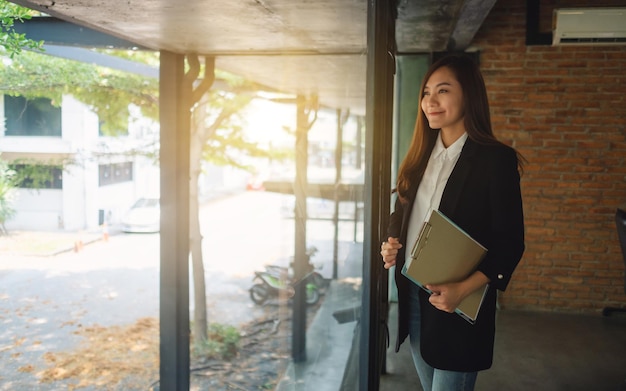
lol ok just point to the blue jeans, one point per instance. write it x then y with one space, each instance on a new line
433 379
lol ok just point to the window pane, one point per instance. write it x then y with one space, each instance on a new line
110 174
34 117
249 233
252 259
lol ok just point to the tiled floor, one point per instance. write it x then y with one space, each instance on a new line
539 352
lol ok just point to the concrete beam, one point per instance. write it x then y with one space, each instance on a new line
104 60
59 32
471 17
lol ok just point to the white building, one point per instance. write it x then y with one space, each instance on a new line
104 179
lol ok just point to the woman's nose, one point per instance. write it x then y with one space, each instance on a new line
430 100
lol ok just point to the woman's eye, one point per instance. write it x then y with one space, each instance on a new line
443 91
425 93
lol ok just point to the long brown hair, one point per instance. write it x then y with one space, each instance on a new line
476 119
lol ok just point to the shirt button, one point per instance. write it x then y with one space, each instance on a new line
500 276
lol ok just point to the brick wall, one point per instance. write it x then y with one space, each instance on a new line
564 109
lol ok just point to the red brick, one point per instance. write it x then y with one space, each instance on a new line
564 108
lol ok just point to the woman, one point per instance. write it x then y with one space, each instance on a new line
457 166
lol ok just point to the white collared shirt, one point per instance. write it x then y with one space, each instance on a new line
440 165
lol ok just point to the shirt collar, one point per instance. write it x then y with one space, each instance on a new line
453 151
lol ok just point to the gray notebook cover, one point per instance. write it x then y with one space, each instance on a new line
444 253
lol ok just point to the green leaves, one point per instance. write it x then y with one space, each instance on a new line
10 40
222 343
7 194
107 92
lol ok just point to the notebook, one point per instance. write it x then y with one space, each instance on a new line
444 253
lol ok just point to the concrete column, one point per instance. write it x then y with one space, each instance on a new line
174 162
410 70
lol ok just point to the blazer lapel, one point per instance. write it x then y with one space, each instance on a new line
408 209
452 191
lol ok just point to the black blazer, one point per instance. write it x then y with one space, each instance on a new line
483 197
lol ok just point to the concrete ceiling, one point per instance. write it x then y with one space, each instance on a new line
297 46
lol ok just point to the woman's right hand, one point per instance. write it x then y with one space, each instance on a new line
389 251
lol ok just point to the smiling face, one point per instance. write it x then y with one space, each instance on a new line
442 103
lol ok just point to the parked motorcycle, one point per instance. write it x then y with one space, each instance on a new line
278 281
313 270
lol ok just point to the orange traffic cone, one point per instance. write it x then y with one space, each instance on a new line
78 245
105 232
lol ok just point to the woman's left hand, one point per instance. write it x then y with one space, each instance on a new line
446 297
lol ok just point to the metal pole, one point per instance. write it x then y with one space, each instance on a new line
379 113
298 346
359 163
338 158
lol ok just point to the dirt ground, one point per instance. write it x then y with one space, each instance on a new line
126 357
265 352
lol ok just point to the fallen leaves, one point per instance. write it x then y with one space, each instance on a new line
17 341
26 368
127 357
109 357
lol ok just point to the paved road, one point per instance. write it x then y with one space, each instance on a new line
44 299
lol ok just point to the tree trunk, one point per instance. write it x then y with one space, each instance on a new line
200 325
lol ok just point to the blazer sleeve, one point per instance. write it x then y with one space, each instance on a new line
506 236
394 228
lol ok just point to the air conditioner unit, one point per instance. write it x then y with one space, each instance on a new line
576 26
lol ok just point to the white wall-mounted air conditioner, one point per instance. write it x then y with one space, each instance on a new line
576 26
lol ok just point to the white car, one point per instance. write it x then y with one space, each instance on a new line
143 216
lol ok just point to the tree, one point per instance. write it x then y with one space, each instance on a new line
108 92
7 192
217 137
217 129
13 43
10 40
